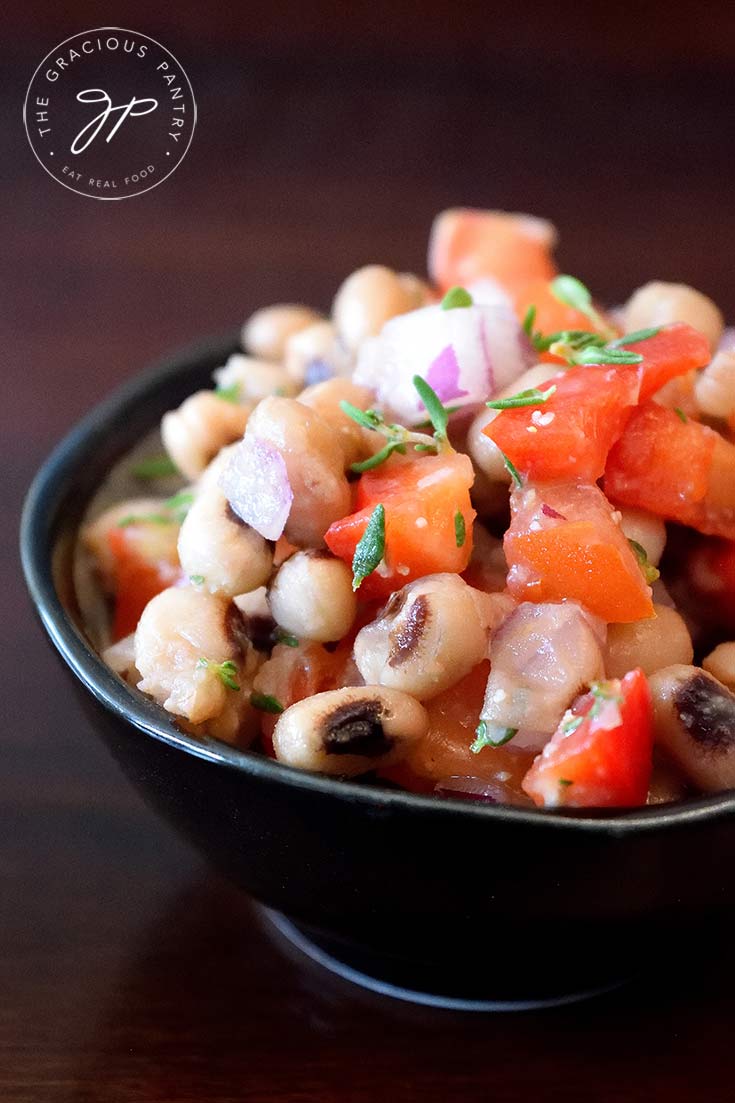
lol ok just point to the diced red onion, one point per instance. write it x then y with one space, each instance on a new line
469 353
256 485
549 511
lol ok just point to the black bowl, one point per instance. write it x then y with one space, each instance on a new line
466 902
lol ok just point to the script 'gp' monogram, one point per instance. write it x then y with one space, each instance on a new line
132 109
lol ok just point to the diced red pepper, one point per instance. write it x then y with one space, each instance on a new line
138 577
552 315
673 351
468 245
601 754
570 434
421 497
683 471
564 543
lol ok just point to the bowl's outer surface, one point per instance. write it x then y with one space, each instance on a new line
523 903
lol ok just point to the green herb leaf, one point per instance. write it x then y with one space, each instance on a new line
156 467
605 355
456 297
571 292
650 573
488 735
282 636
370 548
460 530
512 470
565 781
680 414
532 397
529 320
229 394
197 579
265 703
145 519
379 457
571 723
180 504
437 412
226 671
369 419
635 336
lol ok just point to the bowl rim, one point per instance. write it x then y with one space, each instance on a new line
40 516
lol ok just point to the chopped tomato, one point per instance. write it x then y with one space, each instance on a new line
570 434
468 245
564 543
679 470
673 351
444 755
601 754
144 564
421 497
552 316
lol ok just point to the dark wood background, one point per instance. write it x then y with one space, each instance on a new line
328 136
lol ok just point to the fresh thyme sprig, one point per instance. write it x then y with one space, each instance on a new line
226 671
398 437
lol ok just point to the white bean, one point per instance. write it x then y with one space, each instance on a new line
369 298
266 332
651 644
314 462
357 443
202 425
714 388
349 731
720 663
217 547
316 353
658 304
180 628
429 636
253 379
694 721
311 597
647 530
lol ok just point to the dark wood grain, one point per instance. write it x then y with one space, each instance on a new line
128 972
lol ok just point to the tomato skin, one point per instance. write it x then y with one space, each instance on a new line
596 766
563 544
468 245
675 350
683 471
137 580
569 435
430 490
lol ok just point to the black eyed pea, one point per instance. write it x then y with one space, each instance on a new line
357 443
647 530
250 379
218 551
369 298
714 388
266 332
429 636
314 463
202 425
349 731
694 722
315 354
311 597
720 663
658 304
651 644
183 637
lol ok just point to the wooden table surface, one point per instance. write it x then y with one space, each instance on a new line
128 971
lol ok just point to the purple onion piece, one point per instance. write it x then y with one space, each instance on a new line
256 485
443 376
549 511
